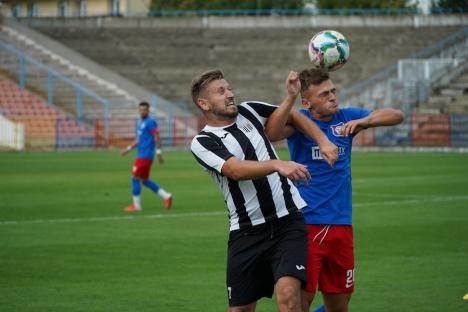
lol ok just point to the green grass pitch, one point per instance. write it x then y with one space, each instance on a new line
66 244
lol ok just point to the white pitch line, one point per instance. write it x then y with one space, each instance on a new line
413 201
218 213
116 218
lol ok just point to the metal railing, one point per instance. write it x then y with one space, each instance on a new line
406 85
111 122
304 11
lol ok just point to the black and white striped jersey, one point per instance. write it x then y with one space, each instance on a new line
250 202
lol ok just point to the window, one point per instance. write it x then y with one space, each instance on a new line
114 7
16 10
82 8
32 9
63 8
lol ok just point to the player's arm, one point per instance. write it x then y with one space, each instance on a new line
157 140
378 118
280 121
237 169
129 147
214 156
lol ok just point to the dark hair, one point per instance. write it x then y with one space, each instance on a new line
200 82
312 76
144 104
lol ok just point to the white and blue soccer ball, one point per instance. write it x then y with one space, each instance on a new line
329 50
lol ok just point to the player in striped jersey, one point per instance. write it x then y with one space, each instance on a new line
267 242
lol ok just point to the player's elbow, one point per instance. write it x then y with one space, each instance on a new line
272 135
398 116
231 170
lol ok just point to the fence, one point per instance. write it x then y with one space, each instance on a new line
306 12
112 122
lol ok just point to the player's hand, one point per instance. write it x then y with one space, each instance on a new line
161 159
329 152
293 84
293 171
354 126
124 151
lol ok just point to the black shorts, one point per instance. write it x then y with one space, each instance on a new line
259 255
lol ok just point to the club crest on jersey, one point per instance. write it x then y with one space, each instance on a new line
337 129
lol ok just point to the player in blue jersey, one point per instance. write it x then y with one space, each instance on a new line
146 141
330 263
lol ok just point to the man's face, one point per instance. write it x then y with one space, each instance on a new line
144 111
217 98
321 99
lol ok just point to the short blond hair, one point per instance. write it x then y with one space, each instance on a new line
200 82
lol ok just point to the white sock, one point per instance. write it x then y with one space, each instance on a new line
163 193
137 202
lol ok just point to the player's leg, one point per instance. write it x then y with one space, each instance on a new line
288 236
337 280
315 255
288 294
336 302
248 276
245 308
160 191
136 187
144 173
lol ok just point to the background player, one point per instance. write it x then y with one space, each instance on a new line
147 139
268 240
330 263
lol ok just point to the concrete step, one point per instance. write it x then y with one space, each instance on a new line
452 92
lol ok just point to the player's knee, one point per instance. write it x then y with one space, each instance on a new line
289 296
246 308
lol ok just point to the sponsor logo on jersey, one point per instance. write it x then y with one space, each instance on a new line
316 155
337 129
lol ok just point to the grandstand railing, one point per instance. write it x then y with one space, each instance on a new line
305 11
387 89
23 61
91 109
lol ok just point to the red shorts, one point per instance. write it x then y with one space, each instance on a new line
141 168
330 259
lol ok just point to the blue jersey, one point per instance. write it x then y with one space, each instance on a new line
146 129
328 195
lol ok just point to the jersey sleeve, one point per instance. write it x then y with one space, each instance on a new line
153 127
209 153
260 110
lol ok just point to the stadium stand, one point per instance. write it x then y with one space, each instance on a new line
45 126
165 59
81 93
256 60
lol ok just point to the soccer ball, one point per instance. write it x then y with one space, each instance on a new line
329 50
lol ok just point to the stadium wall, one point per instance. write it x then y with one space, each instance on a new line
250 21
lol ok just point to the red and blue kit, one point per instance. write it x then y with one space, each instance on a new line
146 130
329 206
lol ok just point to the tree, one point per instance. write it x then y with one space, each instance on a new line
225 4
364 4
452 4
